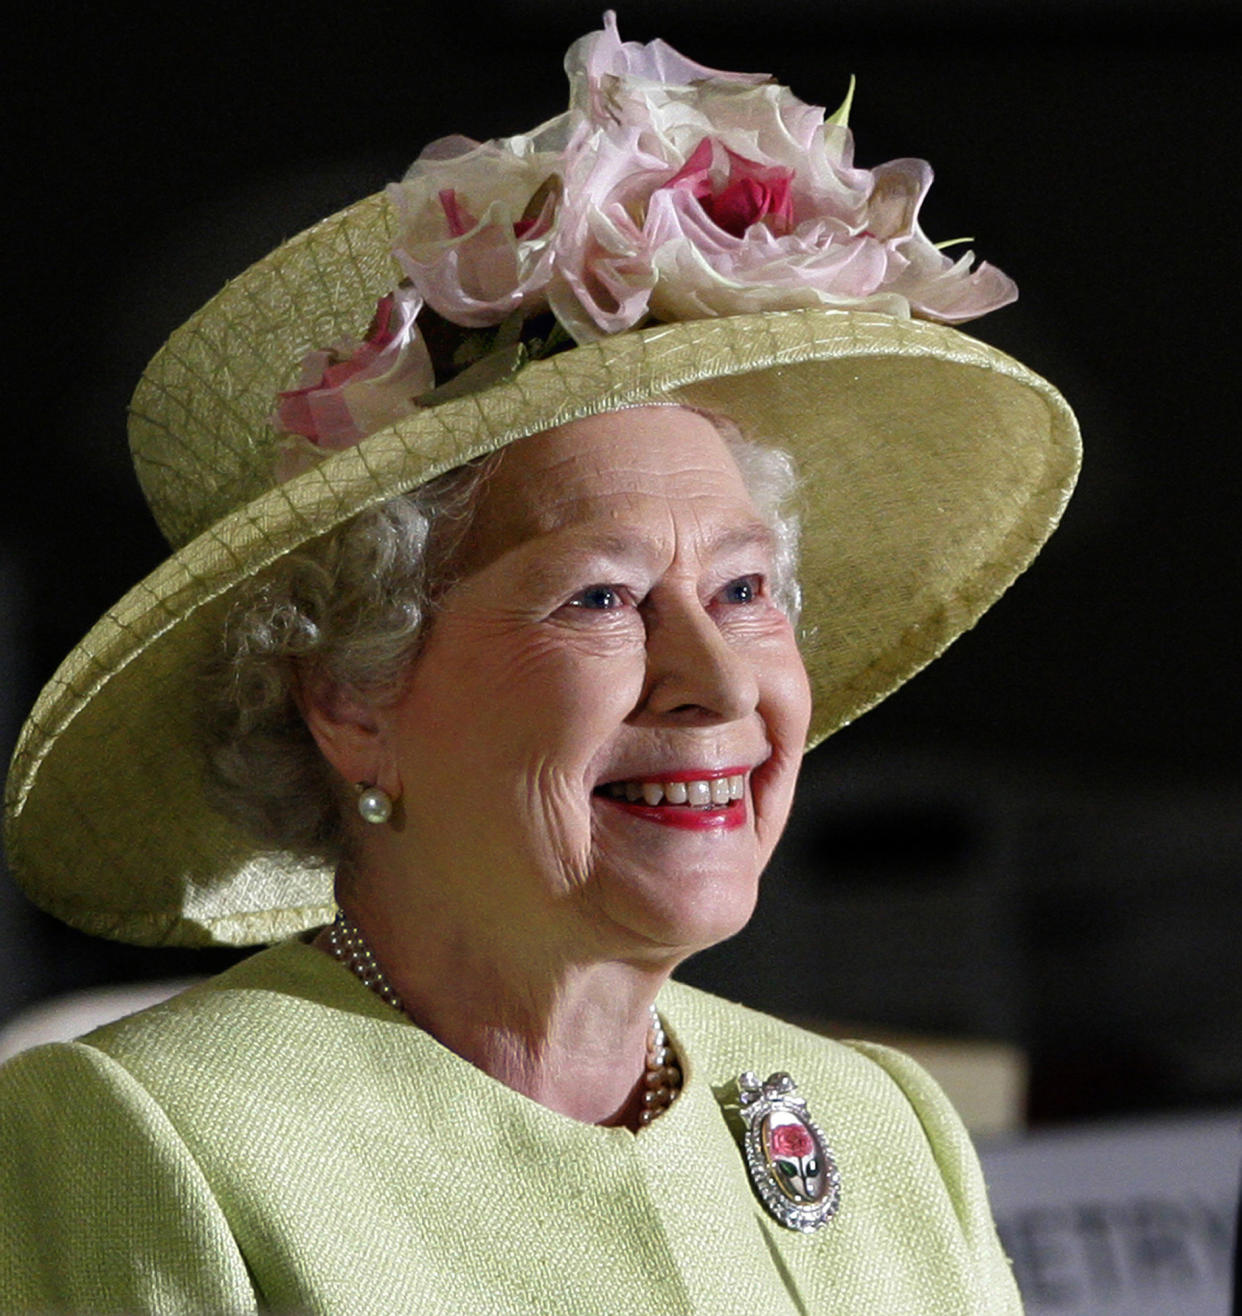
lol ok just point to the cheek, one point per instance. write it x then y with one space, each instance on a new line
785 707
534 706
785 690
576 687
798 702
582 714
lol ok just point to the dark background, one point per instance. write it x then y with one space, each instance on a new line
1039 839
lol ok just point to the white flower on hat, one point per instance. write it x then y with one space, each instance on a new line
477 223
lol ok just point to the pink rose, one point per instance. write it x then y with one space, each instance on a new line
725 233
355 388
749 194
791 1140
692 193
671 191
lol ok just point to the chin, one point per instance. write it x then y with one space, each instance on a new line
687 915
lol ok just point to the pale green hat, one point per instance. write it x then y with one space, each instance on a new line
932 466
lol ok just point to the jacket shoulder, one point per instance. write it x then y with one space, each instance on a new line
102 1206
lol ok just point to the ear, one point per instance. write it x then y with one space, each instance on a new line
348 730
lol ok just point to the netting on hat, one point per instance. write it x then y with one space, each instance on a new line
932 469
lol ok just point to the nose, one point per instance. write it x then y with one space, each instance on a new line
694 676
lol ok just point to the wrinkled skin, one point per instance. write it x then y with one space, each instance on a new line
612 622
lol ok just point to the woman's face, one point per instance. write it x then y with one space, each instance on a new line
612 634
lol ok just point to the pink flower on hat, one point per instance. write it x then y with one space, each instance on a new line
668 191
355 388
692 193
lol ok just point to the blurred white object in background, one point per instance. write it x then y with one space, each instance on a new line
1132 1218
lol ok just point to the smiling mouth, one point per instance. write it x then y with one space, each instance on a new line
705 793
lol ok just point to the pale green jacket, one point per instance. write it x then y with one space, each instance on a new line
279 1138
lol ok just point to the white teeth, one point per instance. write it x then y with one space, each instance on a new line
698 792
710 791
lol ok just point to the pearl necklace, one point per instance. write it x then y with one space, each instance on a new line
662 1076
662 1080
347 944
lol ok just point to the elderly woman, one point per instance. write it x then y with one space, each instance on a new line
477 684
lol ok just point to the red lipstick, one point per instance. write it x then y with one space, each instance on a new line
686 816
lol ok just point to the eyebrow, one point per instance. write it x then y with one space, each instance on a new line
752 534
548 567
621 547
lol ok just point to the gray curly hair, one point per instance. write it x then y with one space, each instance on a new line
355 604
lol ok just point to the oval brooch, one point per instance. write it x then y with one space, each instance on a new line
790 1162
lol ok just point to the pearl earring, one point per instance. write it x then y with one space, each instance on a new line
374 803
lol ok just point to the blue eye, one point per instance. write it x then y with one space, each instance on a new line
745 589
601 598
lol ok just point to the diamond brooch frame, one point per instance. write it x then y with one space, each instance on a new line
790 1162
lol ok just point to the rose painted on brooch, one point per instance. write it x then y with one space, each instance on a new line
791 1140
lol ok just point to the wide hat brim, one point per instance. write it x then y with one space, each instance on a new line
933 467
